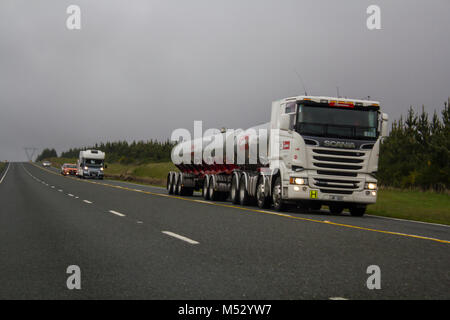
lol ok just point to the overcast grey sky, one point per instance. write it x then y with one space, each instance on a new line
139 69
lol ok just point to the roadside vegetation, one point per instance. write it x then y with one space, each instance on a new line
2 167
136 152
46 154
412 205
417 152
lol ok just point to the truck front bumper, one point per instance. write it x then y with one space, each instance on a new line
305 192
93 174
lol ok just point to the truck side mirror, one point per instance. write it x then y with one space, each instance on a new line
384 125
106 166
285 122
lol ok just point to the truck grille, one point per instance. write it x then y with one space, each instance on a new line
337 170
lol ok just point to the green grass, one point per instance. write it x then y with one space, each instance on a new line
2 166
403 204
150 173
412 205
156 170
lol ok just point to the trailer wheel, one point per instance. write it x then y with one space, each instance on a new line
213 194
336 209
358 211
243 193
261 198
205 188
180 189
277 201
234 192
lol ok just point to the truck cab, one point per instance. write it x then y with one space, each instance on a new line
91 164
328 151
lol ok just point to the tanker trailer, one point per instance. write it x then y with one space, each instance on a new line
315 151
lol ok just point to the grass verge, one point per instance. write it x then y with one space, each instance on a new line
412 205
2 167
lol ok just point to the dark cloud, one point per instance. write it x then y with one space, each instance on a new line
139 69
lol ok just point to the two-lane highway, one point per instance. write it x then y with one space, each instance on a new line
133 241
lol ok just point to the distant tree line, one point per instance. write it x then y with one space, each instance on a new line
47 153
126 153
416 154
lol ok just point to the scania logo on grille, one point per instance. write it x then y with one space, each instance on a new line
339 144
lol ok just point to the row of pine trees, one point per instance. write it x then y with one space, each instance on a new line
416 154
126 153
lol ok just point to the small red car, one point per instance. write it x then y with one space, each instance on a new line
69 169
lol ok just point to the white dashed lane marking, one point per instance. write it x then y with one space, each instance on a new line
117 213
172 234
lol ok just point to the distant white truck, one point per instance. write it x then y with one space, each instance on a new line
90 164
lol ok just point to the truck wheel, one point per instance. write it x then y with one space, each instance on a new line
176 187
336 209
357 211
243 194
234 192
261 198
277 201
169 183
205 188
213 194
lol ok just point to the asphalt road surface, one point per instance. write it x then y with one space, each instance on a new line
132 242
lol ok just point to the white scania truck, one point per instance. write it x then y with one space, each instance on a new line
326 153
91 164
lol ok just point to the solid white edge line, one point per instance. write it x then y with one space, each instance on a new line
7 169
117 213
180 237
406 220
87 201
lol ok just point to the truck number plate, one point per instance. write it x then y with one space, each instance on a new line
338 198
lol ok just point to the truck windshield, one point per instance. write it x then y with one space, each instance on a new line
336 122
93 162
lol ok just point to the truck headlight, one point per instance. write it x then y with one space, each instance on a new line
371 186
85 168
299 181
101 169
